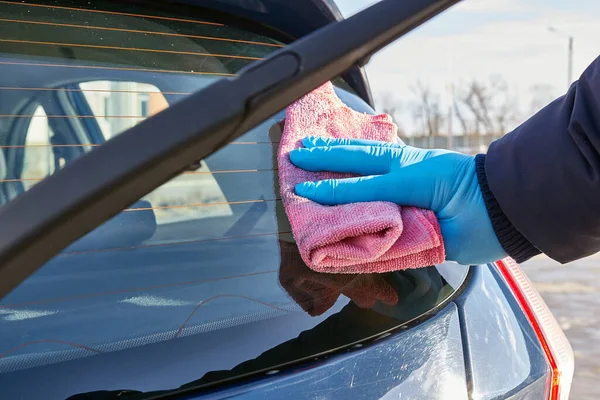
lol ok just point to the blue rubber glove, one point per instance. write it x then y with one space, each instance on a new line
439 180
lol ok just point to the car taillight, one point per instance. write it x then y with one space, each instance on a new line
556 346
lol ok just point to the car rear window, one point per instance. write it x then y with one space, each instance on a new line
198 282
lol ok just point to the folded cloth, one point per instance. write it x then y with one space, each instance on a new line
350 238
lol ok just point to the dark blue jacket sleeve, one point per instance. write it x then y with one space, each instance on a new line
541 182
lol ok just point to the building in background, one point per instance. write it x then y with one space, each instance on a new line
118 106
114 102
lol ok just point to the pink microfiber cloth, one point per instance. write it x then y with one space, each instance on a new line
350 238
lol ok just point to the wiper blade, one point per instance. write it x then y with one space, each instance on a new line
65 206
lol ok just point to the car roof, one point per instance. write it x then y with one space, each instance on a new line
294 18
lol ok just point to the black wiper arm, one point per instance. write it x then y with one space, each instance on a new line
65 206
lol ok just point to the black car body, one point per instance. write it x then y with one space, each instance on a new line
197 290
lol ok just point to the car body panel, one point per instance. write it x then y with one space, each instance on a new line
229 323
425 362
504 353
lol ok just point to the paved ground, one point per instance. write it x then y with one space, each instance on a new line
573 293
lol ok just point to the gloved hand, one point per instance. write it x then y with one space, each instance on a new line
439 180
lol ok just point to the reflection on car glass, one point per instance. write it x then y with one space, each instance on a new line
317 292
402 295
379 303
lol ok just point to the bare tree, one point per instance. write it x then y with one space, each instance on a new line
541 95
465 124
489 106
388 104
478 101
466 112
427 110
506 111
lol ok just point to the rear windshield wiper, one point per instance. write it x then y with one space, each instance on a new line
65 206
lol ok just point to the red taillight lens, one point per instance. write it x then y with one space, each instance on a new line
556 346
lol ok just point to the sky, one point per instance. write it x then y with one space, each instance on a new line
481 38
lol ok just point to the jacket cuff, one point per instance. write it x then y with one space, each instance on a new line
511 240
